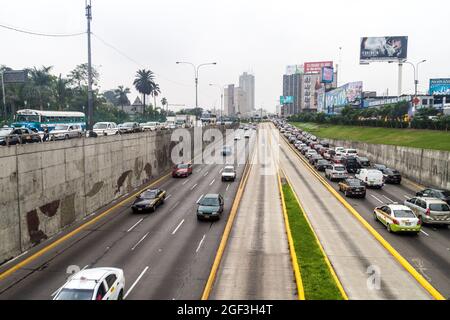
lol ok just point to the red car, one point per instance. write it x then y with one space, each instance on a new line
182 170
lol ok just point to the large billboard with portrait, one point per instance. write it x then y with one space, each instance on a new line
348 94
440 86
383 49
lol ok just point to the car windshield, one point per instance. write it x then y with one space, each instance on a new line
209 201
339 169
149 194
75 294
61 127
100 126
228 170
354 183
322 162
404 214
439 207
445 193
128 124
182 166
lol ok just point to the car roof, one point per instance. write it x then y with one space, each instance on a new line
211 195
88 278
398 207
229 167
432 199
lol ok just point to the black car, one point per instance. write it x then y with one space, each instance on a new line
363 162
322 164
148 200
435 193
20 136
352 187
351 164
392 176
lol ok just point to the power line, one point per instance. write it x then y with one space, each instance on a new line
42 34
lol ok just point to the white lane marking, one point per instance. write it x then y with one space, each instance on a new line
376 198
24 253
200 244
168 196
227 187
137 280
424 233
212 181
186 181
388 199
134 225
199 198
407 196
192 188
206 173
177 203
178 227
221 170
142 239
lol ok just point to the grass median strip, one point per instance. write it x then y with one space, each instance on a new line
318 283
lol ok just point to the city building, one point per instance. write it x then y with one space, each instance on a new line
136 108
247 84
235 101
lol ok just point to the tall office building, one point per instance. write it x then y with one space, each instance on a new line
228 100
247 85
235 101
292 88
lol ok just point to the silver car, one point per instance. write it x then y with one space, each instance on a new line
66 131
430 210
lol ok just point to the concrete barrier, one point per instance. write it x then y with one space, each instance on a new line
46 187
424 166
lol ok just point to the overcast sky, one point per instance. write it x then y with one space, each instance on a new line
259 36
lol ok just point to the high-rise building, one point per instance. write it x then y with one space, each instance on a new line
247 84
228 100
292 88
235 101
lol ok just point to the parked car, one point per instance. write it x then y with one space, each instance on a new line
210 206
66 131
228 173
391 176
397 218
442 194
336 172
93 284
20 136
322 164
182 170
370 177
105 128
430 210
129 127
363 162
352 187
149 200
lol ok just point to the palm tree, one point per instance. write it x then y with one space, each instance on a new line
62 92
164 103
121 95
41 83
155 92
144 83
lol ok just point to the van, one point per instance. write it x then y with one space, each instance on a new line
370 177
350 152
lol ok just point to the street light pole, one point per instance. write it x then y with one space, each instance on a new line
221 87
196 75
416 74
90 102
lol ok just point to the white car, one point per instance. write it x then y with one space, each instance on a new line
371 177
228 173
336 172
339 150
150 126
350 152
397 218
105 128
66 131
247 134
93 284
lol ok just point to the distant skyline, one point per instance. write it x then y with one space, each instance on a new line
261 37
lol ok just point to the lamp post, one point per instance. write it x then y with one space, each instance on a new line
196 75
416 74
221 87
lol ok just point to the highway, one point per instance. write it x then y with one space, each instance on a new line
165 255
428 252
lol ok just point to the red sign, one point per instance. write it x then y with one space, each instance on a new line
316 67
416 101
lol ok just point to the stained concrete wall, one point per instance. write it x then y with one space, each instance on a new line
424 166
46 187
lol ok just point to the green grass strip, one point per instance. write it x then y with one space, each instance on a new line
318 282
414 138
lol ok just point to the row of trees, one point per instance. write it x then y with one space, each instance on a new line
46 91
390 116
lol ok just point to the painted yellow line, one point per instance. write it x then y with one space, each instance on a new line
74 232
294 260
419 278
327 261
223 242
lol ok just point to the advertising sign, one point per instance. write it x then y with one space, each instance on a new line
286 99
440 86
16 76
316 67
349 93
327 75
383 49
294 69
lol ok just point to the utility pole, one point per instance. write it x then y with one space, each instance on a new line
90 123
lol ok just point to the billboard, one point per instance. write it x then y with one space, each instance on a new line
349 93
316 67
15 76
286 99
294 69
327 75
383 49
440 86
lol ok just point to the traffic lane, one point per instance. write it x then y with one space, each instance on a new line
181 272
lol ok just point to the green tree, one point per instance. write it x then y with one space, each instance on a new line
121 94
143 83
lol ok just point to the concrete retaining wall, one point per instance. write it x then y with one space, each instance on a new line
424 166
46 187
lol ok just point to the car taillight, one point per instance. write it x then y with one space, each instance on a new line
395 221
427 212
366 179
419 222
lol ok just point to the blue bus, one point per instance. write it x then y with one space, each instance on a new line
39 120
